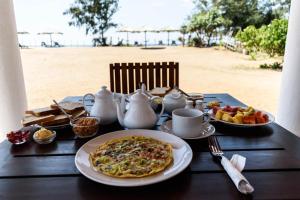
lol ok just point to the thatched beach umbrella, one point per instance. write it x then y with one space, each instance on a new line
147 30
126 30
169 29
144 30
50 33
22 33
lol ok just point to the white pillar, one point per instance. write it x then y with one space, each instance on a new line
12 91
289 100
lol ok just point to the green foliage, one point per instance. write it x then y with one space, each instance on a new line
276 9
183 29
253 55
274 66
197 42
273 37
205 25
250 38
215 17
94 15
270 39
182 40
243 13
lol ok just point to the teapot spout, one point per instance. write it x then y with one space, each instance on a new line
120 111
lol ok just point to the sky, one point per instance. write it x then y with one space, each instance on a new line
36 16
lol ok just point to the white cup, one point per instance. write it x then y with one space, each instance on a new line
189 123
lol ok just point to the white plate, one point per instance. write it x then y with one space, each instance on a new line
182 154
207 131
271 119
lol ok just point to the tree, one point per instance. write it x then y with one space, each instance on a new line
270 39
95 16
273 37
243 13
276 9
183 31
206 5
206 24
250 37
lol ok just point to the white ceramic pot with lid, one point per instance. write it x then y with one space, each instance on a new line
104 107
139 114
173 101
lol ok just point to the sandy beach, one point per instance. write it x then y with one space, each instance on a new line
59 72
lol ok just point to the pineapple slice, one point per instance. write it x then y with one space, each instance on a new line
250 110
238 119
219 114
227 117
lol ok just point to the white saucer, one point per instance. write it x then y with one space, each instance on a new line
206 132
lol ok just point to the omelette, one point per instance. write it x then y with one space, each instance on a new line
131 156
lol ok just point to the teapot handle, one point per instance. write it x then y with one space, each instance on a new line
162 105
84 99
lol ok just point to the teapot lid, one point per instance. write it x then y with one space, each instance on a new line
104 92
139 96
175 95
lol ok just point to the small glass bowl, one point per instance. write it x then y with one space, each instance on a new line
18 137
46 140
85 131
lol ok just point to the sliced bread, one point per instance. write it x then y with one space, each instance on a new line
31 119
59 119
69 107
43 111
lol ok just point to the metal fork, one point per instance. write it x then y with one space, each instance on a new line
214 147
239 180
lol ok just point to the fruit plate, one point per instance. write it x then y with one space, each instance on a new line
270 116
182 156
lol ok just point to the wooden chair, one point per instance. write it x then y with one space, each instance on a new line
126 77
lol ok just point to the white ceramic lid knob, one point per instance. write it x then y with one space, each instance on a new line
104 92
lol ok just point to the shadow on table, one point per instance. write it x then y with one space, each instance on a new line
32 148
169 189
184 186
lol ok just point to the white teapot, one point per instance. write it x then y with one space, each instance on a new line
104 107
173 101
139 114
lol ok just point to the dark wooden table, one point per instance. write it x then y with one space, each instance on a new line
33 171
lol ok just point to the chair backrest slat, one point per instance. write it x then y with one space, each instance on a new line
171 75
157 74
144 74
177 74
131 77
126 77
137 68
112 78
117 78
151 75
164 74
